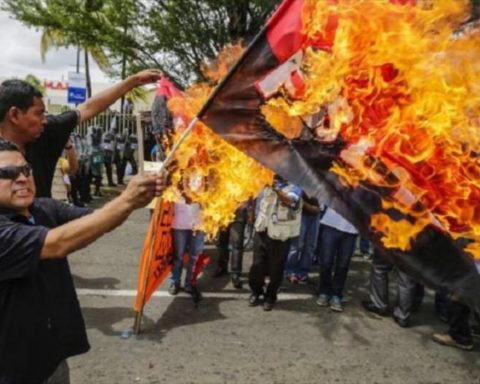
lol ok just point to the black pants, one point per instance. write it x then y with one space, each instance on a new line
233 235
458 319
269 258
123 166
109 166
118 166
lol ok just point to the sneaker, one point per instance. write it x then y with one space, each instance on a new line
268 305
336 304
236 282
292 279
475 330
173 290
322 300
446 339
403 323
303 280
253 300
366 256
370 307
220 271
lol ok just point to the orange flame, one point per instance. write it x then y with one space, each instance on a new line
408 87
210 171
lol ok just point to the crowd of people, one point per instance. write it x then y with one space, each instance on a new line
37 233
86 159
292 232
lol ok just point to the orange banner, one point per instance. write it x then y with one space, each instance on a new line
156 261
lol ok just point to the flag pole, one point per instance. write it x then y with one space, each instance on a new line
140 142
177 144
141 155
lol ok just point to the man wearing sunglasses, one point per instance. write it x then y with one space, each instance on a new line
42 138
40 318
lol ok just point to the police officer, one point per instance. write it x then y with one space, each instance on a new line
109 144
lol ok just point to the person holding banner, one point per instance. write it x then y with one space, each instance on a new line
41 323
41 137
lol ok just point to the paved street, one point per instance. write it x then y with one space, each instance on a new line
225 341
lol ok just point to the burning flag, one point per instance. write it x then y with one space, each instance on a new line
372 106
209 170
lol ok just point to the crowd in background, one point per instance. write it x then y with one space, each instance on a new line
99 153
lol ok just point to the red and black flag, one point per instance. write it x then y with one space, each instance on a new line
162 119
354 166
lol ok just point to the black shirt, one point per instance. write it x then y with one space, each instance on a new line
44 152
41 323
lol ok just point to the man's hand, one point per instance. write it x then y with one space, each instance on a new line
143 188
145 77
101 101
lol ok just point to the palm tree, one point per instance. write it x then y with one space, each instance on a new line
35 82
56 38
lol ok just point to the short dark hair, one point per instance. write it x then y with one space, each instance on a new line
16 93
9 146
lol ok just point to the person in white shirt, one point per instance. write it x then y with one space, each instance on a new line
185 238
337 244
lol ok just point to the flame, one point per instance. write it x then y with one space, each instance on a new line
406 85
209 170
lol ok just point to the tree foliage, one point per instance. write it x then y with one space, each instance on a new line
35 82
176 36
184 34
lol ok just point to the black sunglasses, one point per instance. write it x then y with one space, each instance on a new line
12 172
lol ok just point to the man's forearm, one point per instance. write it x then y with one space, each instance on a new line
101 101
104 99
79 233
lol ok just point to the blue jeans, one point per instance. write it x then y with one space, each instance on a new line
301 252
364 245
336 247
185 240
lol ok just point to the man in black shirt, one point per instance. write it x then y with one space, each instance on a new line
42 138
40 318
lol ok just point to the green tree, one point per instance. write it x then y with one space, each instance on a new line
35 82
177 36
187 33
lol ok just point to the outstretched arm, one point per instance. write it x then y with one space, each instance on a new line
81 232
101 101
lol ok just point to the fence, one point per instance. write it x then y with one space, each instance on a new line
107 120
124 123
